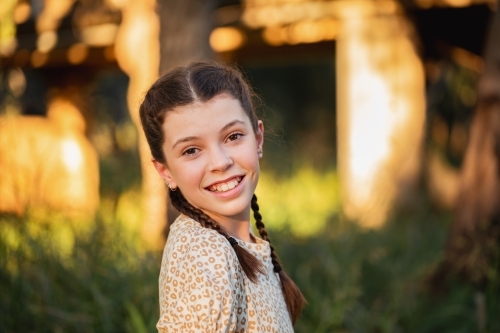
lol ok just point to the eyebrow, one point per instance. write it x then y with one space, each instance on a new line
192 138
234 122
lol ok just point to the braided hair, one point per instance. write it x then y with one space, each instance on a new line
200 82
250 265
294 299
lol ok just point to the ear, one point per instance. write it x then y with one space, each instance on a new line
164 173
259 136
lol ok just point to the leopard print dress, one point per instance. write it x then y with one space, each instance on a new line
203 288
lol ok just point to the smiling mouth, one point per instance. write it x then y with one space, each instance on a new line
226 186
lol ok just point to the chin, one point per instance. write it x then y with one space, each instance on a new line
237 210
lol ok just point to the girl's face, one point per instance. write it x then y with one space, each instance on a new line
211 151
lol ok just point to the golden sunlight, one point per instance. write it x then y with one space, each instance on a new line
71 155
8 41
47 162
306 31
46 41
381 112
38 59
225 39
137 51
77 53
22 12
99 35
303 203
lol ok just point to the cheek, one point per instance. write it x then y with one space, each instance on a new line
247 156
189 174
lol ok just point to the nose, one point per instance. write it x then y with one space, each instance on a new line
220 159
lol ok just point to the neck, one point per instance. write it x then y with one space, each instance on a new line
236 226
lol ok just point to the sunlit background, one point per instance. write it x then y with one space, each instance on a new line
379 186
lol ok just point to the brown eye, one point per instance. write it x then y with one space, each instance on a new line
190 151
234 136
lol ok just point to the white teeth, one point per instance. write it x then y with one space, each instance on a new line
223 187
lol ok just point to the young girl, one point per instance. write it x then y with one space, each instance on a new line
206 142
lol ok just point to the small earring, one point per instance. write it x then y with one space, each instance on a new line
171 189
260 153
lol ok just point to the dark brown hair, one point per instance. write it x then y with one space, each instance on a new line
200 82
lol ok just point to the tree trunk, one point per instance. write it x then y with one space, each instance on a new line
380 112
474 239
137 53
185 28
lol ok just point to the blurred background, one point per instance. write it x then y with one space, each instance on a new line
380 178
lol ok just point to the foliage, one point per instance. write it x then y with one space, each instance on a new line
98 281
376 280
314 195
66 277
298 103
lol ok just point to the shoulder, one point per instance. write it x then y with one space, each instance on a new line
198 277
197 249
186 231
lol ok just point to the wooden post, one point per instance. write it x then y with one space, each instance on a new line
380 111
137 50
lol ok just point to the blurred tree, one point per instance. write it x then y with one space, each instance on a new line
137 53
185 28
380 110
473 249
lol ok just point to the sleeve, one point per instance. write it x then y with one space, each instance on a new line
196 284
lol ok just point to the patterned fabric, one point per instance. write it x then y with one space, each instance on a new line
203 288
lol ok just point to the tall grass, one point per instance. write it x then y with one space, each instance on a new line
301 203
100 282
56 276
377 280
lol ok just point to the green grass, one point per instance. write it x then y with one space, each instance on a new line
315 197
376 280
102 283
58 276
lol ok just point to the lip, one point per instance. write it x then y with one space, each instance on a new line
224 181
229 193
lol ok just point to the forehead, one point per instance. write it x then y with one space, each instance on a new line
200 117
